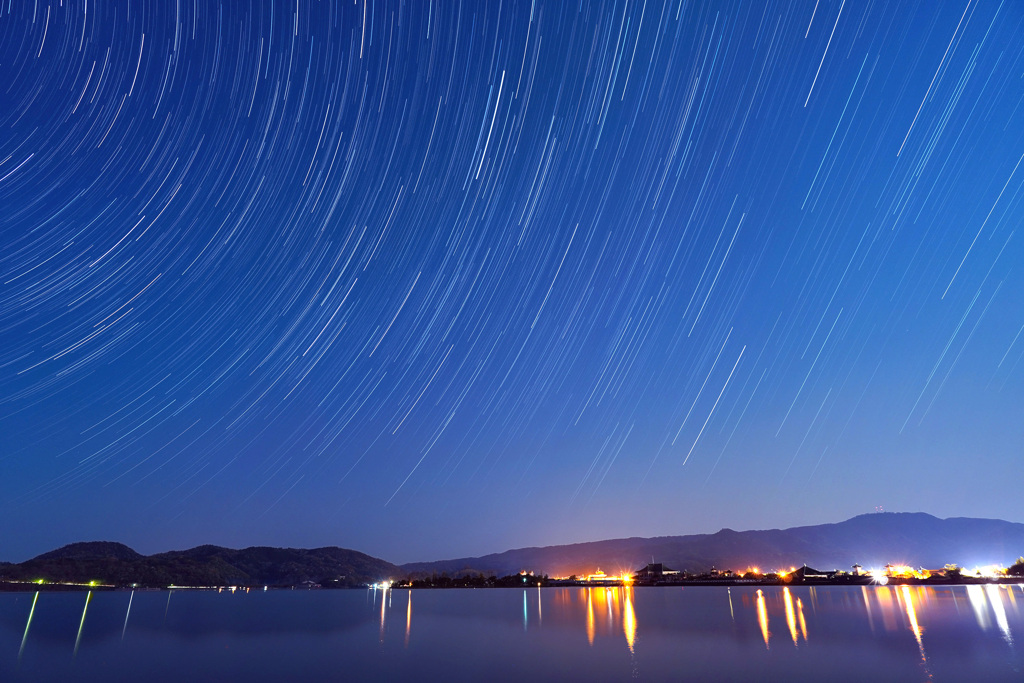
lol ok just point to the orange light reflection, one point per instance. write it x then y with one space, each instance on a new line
408 618
790 614
629 620
800 615
908 605
590 617
762 617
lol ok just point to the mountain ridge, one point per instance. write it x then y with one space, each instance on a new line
914 538
109 562
872 540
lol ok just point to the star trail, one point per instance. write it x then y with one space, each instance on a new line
436 278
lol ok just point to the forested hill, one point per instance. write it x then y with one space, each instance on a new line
114 563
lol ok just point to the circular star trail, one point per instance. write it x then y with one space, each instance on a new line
434 278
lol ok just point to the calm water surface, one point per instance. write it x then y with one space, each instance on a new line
957 633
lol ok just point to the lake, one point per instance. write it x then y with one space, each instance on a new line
883 633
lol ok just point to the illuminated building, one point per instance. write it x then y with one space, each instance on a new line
600 577
654 572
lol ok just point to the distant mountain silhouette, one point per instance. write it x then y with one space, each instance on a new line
872 540
114 563
90 550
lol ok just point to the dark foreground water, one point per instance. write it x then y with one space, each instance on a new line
958 633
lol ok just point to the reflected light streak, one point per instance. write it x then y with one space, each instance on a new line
908 605
383 608
790 614
540 609
732 613
78 638
976 596
526 617
408 618
996 600
629 621
125 627
867 607
27 624
889 610
800 616
762 617
590 618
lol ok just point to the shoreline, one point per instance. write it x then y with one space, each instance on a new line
34 587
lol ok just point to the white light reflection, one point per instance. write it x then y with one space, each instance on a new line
996 600
78 638
976 596
27 624
129 611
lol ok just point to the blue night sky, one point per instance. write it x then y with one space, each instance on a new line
429 279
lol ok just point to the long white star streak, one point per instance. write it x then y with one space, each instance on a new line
712 412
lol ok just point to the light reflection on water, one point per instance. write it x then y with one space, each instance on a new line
408 618
629 619
995 599
790 615
915 628
803 621
762 618
24 638
127 613
81 623
601 633
591 628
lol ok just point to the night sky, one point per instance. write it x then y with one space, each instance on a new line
429 279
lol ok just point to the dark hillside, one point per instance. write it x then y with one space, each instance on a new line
872 540
114 563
